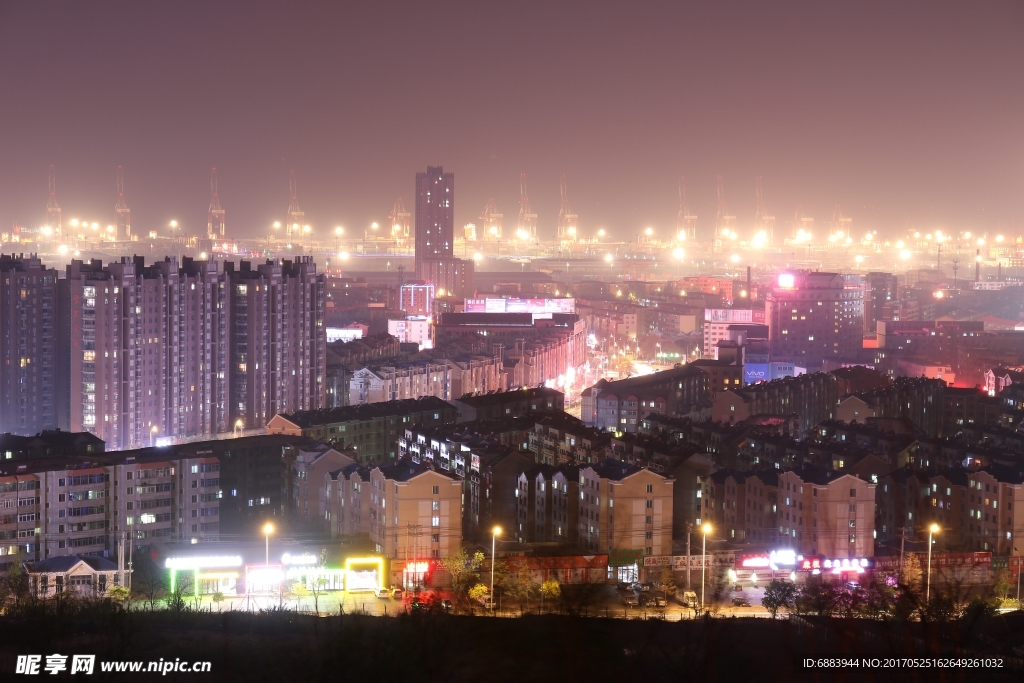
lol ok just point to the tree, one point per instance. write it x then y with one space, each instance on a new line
777 595
878 598
15 585
298 592
911 574
316 589
668 582
477 592
817 596
518 583
551 589
183 589
1001 583
119 595
218 598
148 581
464 570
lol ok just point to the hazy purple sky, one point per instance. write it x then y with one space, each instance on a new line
903 112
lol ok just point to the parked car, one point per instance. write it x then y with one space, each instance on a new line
659 599
740 602
629 599
642 587
396 594
689 599
382 593
487 602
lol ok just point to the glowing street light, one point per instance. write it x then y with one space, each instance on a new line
494 540
268 529
933 529
152 434
238 425
703 562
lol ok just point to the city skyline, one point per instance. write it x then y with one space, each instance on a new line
878 118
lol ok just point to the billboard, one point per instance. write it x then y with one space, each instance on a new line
520 306
756 372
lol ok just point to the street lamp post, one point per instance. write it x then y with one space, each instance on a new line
703 562
494 539
238 425
1018 576
933 529
152 435
268 529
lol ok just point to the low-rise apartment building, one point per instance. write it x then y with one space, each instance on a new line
415 512
625 508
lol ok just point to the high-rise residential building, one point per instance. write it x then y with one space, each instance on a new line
435 235
28 338
435 214
278 340
102 349
163 351
812 316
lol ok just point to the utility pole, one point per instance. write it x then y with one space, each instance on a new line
903 541
120 561
689 530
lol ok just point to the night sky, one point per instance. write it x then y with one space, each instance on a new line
905 113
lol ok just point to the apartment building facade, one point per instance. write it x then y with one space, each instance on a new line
29 317
823 512
415 511
625 508
172 352
88 507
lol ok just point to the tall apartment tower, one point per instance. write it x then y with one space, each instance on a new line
28 338
101 349
435 215
812 316
278 342
181 351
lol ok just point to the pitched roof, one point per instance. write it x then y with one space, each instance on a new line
364 411
65 563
